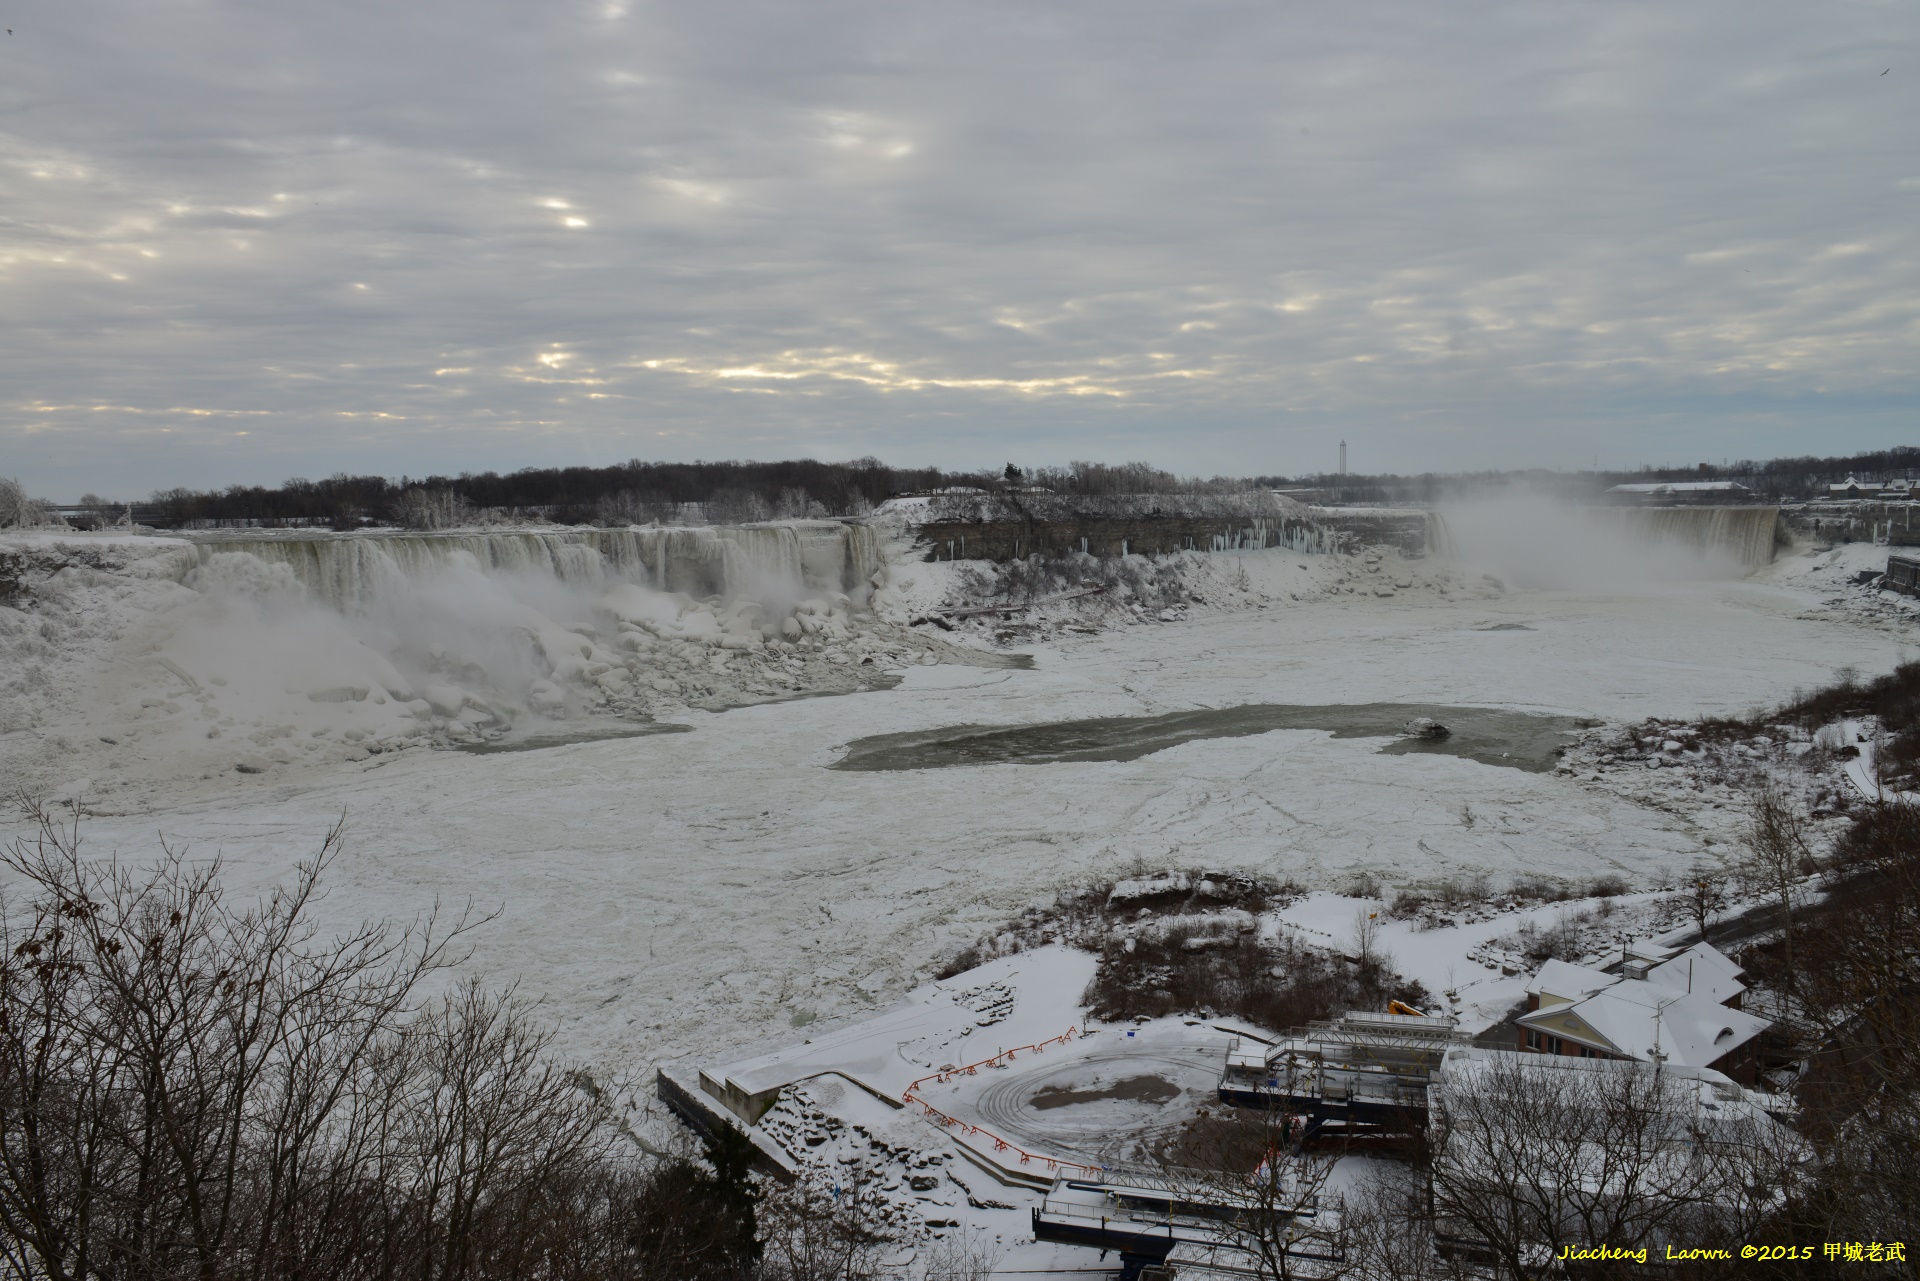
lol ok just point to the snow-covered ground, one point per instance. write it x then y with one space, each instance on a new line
691 896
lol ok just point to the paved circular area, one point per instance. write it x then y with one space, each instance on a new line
1097 1120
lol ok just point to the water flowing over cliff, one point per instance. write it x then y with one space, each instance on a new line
385 639
1535 540
1743 536
777 565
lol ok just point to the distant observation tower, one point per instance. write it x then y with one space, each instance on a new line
1343 458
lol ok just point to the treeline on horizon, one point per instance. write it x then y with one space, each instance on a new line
729 491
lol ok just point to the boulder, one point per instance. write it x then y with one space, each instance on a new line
340 694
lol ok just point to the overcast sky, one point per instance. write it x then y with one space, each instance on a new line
246 241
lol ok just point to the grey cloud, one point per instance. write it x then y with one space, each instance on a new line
402 238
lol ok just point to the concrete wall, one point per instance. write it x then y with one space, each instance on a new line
1897 523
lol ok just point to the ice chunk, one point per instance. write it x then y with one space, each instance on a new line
557 646
699 624
447 700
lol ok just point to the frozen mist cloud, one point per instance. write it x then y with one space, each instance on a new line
244 242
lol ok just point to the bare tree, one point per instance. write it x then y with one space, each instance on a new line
1531 1157
1390 1234
17 510
1778 856
737 507
1704 894
1366 935
793 504
191 1087
434 509
1267 1198
811 1232
1860 962
964 1254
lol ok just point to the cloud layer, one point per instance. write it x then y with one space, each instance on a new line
240 242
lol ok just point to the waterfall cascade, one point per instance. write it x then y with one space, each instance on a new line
1440 536
777 564
305 645
1744 535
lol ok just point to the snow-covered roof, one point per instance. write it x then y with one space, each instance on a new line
1039 990
1465 1065
1679 487
1568 982
1633 1017
1703 970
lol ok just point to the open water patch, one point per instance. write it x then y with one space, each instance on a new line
1492 736
540 742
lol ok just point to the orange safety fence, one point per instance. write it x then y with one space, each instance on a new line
1053 1164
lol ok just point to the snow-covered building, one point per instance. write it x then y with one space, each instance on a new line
1894 491
1681 491
1683 1010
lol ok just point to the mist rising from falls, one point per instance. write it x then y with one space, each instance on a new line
1538 541
453 637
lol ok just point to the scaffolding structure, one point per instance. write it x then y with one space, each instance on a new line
1363 1070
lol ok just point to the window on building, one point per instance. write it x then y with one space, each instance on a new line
1553 1045
1533 1039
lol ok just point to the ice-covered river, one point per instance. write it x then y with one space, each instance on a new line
696 892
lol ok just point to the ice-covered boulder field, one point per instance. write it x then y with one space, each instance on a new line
694 892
